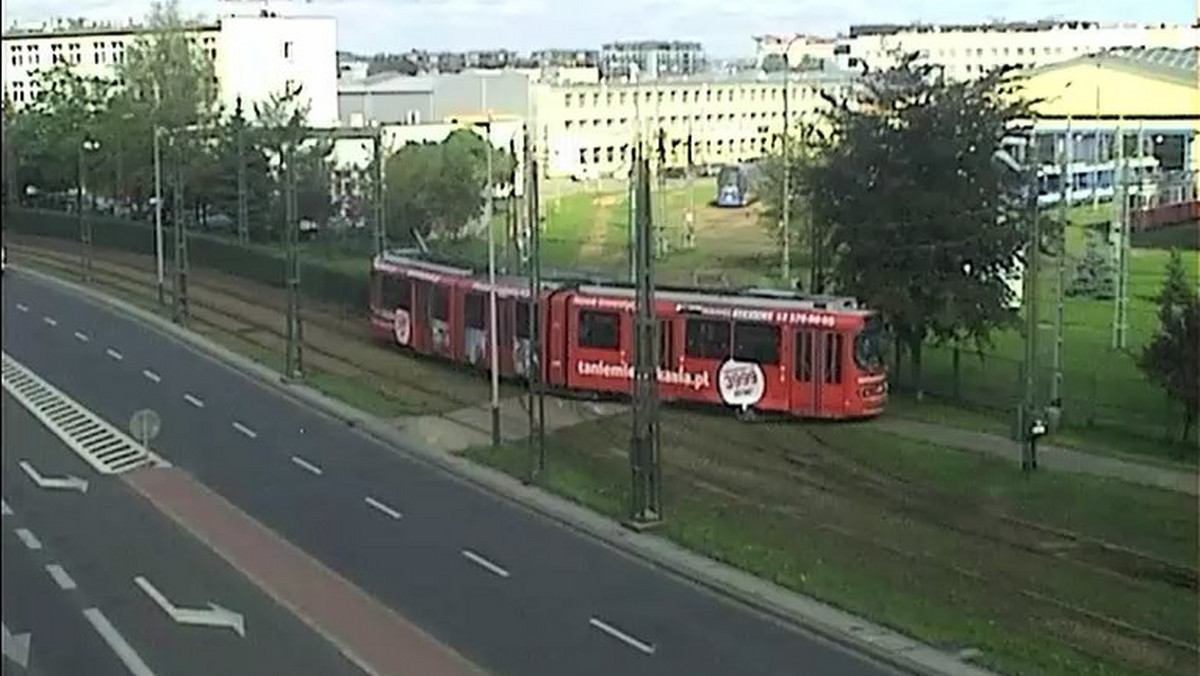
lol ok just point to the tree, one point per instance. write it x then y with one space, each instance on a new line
502 161
1176 293
433 189
1172 359
807 144
916 217
282 125
1095 273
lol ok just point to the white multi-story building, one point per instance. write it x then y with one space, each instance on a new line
254 57
968 51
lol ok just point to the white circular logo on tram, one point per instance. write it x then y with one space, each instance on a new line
402 326
741 383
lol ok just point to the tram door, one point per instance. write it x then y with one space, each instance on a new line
817 373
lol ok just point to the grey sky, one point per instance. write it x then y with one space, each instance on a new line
724 26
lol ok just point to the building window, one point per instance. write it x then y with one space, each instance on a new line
707 339
600 330
473 313
756 342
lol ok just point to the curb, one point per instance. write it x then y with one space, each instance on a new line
858 635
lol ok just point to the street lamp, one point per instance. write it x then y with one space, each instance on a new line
88 145
158 208
493 339
787 164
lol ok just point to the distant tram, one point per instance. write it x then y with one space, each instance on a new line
754 350
737 185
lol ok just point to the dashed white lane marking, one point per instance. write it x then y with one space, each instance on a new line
307 465
245 430
22 307
83 337
480 561
382 507
194 401
27 536
50 320
119 645
114 354
151 375
621 636
60 576
5 510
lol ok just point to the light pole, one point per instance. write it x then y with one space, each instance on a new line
493 339
158 213
786 207
88 145
1067 187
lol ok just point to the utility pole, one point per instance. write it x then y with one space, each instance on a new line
1067 186
689 237
645 508
493 333
85 222
378 183
1033 254
537 399
243 201
1120 303
158 214
179 292
786 206
291 228
660 228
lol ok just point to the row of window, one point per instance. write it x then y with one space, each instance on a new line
102 52
744 148
664 120
599 329
715 94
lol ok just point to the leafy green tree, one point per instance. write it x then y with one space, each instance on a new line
916 216
1176 292
807 145
1172 359
1095 274
282 129
432 189
502 161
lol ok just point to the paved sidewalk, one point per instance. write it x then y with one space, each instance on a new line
1049 456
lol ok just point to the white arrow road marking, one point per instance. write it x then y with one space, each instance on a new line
480 561
307 465
83 337
245 430
60 576
5 510
119 645
50 321
15 647
621 636
382 507
28 538
214 616
114 354
68 482
194 401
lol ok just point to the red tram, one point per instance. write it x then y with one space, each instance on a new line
808 356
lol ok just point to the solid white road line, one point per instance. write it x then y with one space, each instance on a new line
60 576
83 337
479 560
152 375
382 507
28 538
194 401
119 645
22 307
245 430
621 636
4 508
307 465
50 320
114 354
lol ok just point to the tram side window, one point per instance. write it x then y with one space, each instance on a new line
756 342
708 339
599 330
833 358
396 292
522 319
439 303
804 356
473 311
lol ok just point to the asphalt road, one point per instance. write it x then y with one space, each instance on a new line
508 589
100 540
